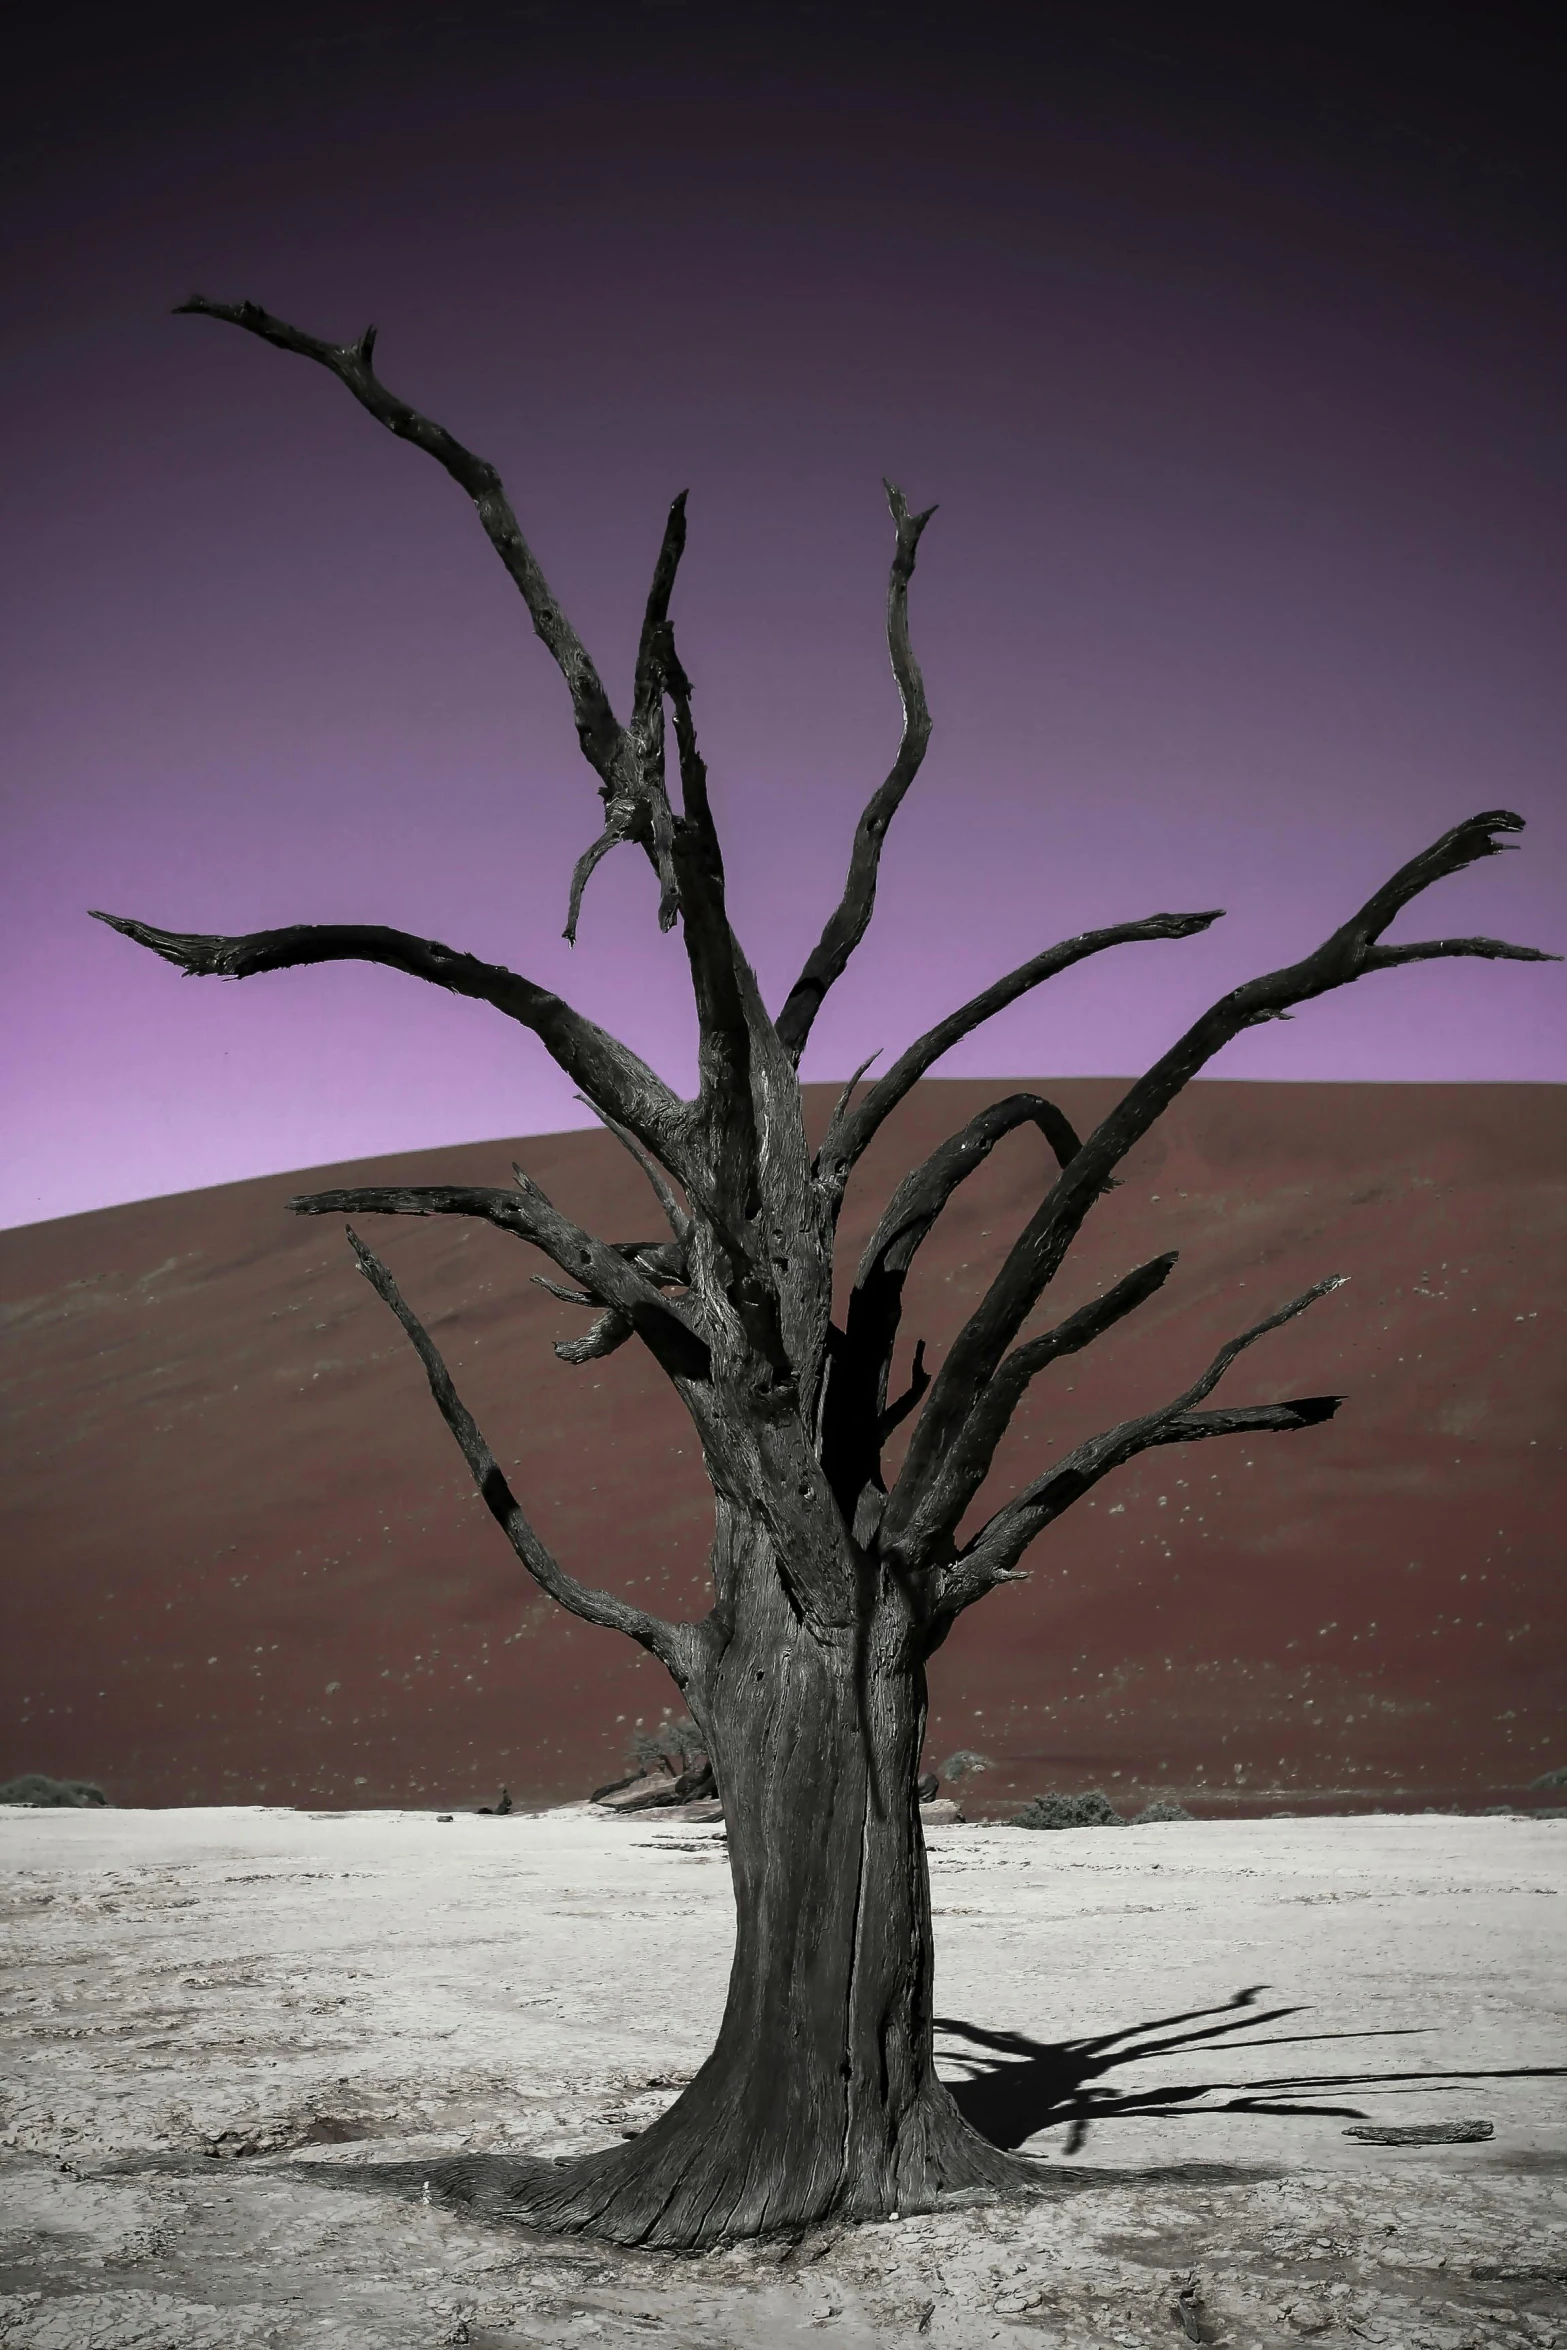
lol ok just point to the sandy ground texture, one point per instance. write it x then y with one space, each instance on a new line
193 1995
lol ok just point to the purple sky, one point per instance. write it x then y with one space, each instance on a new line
1240 392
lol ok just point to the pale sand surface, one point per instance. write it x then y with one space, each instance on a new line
271 1979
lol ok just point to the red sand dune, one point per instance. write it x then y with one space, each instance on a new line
243 1559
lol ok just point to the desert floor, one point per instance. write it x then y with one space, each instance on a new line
191 1984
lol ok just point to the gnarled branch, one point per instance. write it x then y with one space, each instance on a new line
662 1261
995 1550
1348 955
628 785
647 709
643 814
846 926
675 1645
608 1334
1036 1255
850 1130
609 1073
606 1273
616 829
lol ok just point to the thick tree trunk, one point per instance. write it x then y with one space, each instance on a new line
820 2098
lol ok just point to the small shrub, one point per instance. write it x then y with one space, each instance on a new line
1152 1812
1093 1810
37 1787
1557 1778
965 1760
673 1745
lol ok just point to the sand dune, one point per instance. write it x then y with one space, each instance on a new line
244 1561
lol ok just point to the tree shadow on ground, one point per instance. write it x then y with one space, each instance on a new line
1017 2086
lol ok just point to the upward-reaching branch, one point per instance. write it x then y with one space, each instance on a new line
846 926
993 1554
765 1266
1034 1258
862 1360
629 787
850 1129
754 1182
724 1108
609 1073
1348 955
927 1517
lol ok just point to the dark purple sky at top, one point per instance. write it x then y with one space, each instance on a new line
1236 370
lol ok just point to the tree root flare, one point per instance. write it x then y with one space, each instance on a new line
671 2205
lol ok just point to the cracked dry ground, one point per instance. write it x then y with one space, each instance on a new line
192 1995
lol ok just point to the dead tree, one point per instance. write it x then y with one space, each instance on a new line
831 1587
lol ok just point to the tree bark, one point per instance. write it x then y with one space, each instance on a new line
820 2099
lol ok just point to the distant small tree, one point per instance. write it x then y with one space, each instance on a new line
671 1745
1093 1810
36 1787
832 1586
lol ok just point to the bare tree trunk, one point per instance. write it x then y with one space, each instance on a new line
820 2098
830 1590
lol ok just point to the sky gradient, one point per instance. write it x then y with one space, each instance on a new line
1238 385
